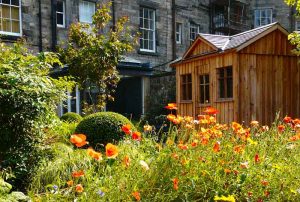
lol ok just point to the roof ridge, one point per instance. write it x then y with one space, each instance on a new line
213 35
251 30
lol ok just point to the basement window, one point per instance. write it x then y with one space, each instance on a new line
204 89
10 17
186 87
225 82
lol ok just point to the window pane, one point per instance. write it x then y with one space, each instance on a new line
60 19
60 6
6 25
146 23
229 72
189 78
202 98
206 94
16 26
5 11
221 88
189 91
15 2
15 13
6 1
146 44
229 88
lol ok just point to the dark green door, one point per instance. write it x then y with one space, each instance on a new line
128 98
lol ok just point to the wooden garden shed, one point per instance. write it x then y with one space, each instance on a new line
248 76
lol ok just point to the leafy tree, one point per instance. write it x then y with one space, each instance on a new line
295 36
93 52
28 99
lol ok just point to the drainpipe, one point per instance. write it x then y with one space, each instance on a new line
53 23
40 27
174 30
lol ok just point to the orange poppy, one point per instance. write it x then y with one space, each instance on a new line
238 149
204 141
79 188
171 106
295 137
175 156
111 151
70 183
136 135
216 147
183 146
136 195
96 155
126 129
175 183
126 161
171 117
256 158
211 111
194 143
227 171
176 121
264 182
78 139
287 119
79 173
281 128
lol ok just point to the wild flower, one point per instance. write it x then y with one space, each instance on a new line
96 155
111 150
79 188
136 136
136 195
126 129
175 183
77 174
78 139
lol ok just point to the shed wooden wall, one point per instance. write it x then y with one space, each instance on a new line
269 80
208 65
266 80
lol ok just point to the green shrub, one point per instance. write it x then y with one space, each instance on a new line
103 127
71 117
28 100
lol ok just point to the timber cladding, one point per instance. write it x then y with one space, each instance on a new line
254 80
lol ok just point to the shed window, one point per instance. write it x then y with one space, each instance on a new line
186 87
10 17
262 17
60 14
147 29
86 11
225 82
204 89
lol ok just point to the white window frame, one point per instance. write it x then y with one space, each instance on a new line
89 3
260 10
69 103
20 20
178 32
148 29
197 28
64 15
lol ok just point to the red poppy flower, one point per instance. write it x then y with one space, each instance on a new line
126 129
211 111
77 174
216 147
281 128
264 182
287 119
256 158
111 151
175 183
136 136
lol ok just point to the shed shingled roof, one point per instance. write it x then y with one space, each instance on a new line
229 42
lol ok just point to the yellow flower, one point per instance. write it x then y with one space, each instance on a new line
229 198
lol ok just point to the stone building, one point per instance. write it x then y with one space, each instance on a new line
167 28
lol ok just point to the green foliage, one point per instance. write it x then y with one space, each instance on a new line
103 127
295 36
200 170
71 117
28 98
93 52
5 194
